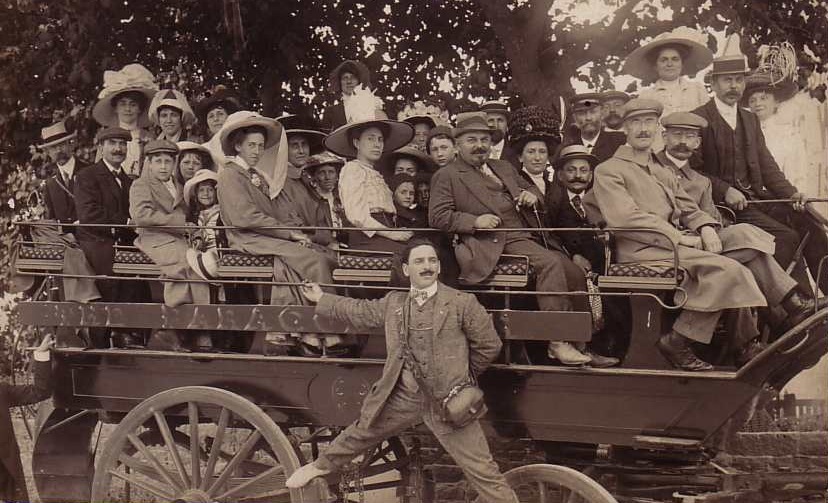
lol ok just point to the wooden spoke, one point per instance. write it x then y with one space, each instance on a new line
143 485
224 417
136 442
276 470
195 451
171 447
543 495
237 458
136 465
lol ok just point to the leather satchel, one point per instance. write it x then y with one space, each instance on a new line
463 404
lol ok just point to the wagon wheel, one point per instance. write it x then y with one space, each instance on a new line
542 483
200 459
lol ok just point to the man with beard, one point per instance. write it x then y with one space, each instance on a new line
589 130
102 197
737 161
438 338
476 192
612 104
634 191
60 200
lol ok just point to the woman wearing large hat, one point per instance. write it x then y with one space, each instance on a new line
350 83
123 102
534 134
247 187
666 61
365 195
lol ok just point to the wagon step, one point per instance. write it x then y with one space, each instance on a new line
655 441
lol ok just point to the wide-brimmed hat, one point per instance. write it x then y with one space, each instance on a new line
732 61
782 90
471 122
534 123
695 54
358 68
422 160
495 107
243 119
323 159
204 264
396 134
220 97
201 175
173 99
574 152
131 78
306 127
56 134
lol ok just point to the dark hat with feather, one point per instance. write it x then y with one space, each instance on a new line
534 123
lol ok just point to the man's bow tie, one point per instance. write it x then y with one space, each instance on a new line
420 296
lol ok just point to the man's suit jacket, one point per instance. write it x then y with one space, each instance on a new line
100 200
698 186
12 480
765 174
464 340
608 142
60 197
560 213
334 117
458 196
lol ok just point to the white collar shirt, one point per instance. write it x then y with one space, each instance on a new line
421 296
590 144
497 150
68 169
539 180
729 113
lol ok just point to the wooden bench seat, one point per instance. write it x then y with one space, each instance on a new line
641 276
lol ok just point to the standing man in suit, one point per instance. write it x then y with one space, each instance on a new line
12 479
497 116
428 357
60 200
476 192
738 163
589 131
102 197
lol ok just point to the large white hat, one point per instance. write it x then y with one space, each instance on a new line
201 175
133 77
243 119
174 99
696 55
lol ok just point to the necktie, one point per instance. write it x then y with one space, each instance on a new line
576 203
117 175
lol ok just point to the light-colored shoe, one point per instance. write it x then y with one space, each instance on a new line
304 475
566 353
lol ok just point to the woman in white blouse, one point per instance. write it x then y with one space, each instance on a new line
366 198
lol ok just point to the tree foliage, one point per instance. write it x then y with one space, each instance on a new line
278 54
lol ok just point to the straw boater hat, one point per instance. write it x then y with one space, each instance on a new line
131 78
782 90
732 61
220 97
173 99
358 68
304 126
396 133
695 54
55 134
201 175
534 123
243 119
574 152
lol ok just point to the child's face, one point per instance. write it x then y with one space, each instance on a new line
404 195
161 166
206 194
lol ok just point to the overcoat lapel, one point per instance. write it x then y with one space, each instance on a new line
441 300
475 185
108 180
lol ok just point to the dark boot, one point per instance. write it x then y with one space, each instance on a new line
676 349
800 308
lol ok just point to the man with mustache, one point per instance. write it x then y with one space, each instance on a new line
633 190
588 128
737 161
612 103
437 338
58 144
476 193
102 197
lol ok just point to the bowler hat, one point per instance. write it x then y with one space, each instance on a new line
684 120
160 146
571 152
471 122
109 133
641 106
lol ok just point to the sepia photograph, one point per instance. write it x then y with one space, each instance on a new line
397 251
